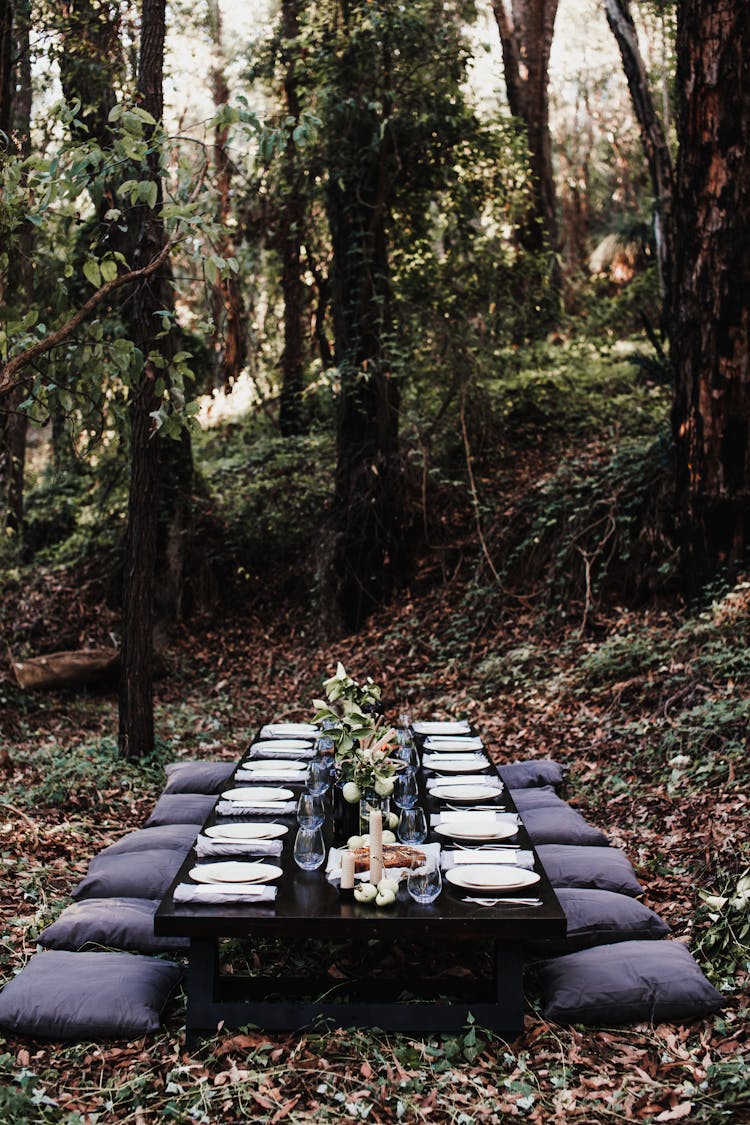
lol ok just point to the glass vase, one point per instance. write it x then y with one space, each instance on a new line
370 802
345 816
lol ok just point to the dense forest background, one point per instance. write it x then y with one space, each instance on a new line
415 336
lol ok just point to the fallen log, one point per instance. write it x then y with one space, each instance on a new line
93 667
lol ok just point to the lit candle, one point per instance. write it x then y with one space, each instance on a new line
347 871
376 846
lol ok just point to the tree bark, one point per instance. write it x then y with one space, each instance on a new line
291 229
653 138
229 316
136 713
7 61
526 33
90 61
710 323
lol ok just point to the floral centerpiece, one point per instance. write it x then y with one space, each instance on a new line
352 717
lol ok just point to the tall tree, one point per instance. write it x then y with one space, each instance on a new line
15 118
710 329
147 239
653 137
230 332
526 30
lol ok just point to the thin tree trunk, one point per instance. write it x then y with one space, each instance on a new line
89 61
136 733
291 226
653 137
230 333
7 78
710 325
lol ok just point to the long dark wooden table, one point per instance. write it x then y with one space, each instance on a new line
308 907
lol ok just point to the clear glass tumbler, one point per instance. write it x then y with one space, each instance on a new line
424 881
309 849
310 811
412 826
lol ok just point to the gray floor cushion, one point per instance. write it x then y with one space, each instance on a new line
198 777
61 995
602 918
535 771
181 808
118 923
131 875
629 982
561 825
605 869
174 836
536 797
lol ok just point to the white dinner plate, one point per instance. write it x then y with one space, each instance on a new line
455 745
458 726
246 831
491 877
282 744
456 832
250 794
275 765
465 792
235 872
471 765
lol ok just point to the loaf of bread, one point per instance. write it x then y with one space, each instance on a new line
394 855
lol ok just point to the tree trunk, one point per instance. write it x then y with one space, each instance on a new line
13 421
526 35
653 138
229 316
136 733
367 500
291 224
710 338
7 76
90 61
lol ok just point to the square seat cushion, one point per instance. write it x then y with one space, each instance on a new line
605 869
629 982
118 923
181 808
171 836
603 918
130 875
561 825
534 771
60 995
198 777
537 797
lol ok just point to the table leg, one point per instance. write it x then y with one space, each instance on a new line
509 984
203 976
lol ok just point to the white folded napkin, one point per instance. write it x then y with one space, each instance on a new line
333 864
270 808
455 744
279 752
209 845
248 893
435 761
484 820
457 726
467 779
289 730
478 855
283 775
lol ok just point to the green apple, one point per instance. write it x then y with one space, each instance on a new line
365 840
385 898
355 842
384 786
389 837
388 885
351 792
365 892
393 820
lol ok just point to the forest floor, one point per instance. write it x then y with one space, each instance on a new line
650 710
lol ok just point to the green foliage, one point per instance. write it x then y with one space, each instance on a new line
723 924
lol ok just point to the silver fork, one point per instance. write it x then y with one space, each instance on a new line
512 901
487 847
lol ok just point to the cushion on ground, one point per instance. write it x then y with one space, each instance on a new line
61 995
119 923
181 808
131 875
602 918
536 797
627 983
536 771
605 869
174 836
198 777
561 825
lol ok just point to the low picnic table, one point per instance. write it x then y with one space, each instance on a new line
309 906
